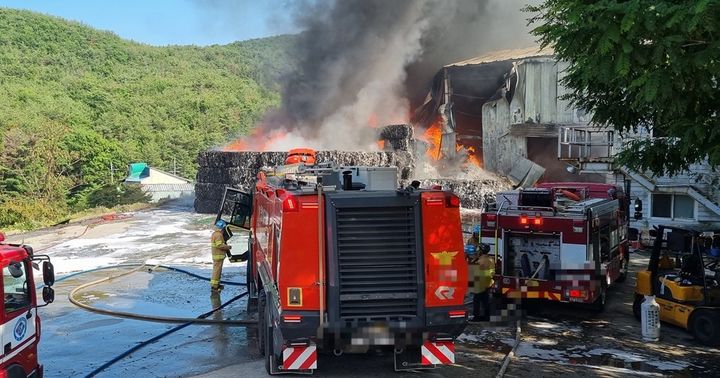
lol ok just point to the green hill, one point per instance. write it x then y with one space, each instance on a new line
74 100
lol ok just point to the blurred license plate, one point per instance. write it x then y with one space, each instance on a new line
373 336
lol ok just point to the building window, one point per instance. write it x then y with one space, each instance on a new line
675 206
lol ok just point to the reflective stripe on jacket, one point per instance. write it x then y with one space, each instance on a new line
218 246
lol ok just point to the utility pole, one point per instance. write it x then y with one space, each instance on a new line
112 173
174 166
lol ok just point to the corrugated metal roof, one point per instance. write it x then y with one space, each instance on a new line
502 55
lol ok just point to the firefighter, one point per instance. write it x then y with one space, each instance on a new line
482 271
474 239
218 248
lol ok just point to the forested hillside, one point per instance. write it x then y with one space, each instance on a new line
73 100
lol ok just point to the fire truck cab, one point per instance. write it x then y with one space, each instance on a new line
19 319
564 242
342 260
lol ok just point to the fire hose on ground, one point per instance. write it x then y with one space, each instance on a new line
151 318
201 319
160 336
511 353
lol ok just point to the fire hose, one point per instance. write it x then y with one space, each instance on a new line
160 336
152 318
201 319
511 353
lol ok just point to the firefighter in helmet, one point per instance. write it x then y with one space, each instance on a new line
474 239
219 249
482 269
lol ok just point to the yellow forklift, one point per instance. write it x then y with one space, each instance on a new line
686 285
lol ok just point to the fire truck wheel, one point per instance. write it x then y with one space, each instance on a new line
623 270
705 326
599 304
250 285
262 300
636 306
269 344
15 371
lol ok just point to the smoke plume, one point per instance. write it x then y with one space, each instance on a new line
367 62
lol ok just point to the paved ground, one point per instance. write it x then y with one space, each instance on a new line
555 338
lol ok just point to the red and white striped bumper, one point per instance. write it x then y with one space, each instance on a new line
300 358
438 353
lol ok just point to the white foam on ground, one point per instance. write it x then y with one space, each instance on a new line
529 350
160 236
68 265
633 357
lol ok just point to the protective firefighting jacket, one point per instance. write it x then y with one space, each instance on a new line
481 274
217 243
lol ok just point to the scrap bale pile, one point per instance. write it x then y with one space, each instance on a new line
398 138
474 194
219 169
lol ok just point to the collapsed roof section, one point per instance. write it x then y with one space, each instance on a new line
506 106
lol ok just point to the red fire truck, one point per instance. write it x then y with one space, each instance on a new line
563 242
20 322
342 260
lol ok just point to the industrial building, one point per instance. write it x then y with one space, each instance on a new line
508 108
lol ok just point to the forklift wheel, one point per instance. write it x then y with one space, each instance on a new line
705 326
599 304
623 270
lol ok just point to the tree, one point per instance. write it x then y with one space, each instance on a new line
74 100
641 65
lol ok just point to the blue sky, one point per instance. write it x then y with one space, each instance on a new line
177 22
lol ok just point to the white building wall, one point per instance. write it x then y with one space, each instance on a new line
537 99
499 147
160 177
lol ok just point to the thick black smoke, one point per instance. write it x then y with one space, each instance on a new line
371 60
363 60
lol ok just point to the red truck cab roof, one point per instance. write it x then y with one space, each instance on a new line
11 253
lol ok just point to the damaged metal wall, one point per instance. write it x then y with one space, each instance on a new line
530 107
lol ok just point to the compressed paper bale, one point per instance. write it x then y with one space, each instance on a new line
474 194
209 191
219 169
206 206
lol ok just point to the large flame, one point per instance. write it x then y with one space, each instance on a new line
256 141
261 140
433 137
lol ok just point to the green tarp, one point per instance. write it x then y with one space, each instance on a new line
138 171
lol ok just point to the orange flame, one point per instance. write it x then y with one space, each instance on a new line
473 156
256 141
433 136
373 121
